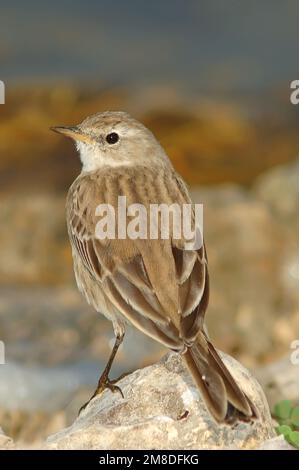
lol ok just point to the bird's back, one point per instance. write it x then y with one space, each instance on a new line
172 287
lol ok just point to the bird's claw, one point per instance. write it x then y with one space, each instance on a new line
104 383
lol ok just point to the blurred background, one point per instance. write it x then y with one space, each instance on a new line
212 80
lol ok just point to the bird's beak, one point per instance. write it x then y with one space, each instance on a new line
73 132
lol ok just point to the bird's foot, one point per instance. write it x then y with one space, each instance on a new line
104 383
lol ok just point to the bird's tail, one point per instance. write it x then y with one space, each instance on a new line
224 398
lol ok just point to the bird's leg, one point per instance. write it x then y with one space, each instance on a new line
104 381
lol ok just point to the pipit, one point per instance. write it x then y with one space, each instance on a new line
153 283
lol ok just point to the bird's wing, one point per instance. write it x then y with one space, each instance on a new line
157 285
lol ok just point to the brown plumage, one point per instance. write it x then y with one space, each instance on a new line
155 285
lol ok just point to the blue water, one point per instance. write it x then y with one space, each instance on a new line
203 44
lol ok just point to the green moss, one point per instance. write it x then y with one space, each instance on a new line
287 417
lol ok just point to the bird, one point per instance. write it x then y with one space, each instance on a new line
156 285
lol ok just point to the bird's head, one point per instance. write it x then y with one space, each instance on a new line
113 139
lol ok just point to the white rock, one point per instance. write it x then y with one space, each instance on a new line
163 410
280 380
277 443
6 443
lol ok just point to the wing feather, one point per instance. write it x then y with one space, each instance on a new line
156 285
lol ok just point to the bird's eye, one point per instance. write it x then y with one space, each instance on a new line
112 138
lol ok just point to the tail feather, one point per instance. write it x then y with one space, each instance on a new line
224 398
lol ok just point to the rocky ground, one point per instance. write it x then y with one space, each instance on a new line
162 409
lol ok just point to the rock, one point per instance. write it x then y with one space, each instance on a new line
280 190
280 381
276 443
163 410
6 443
